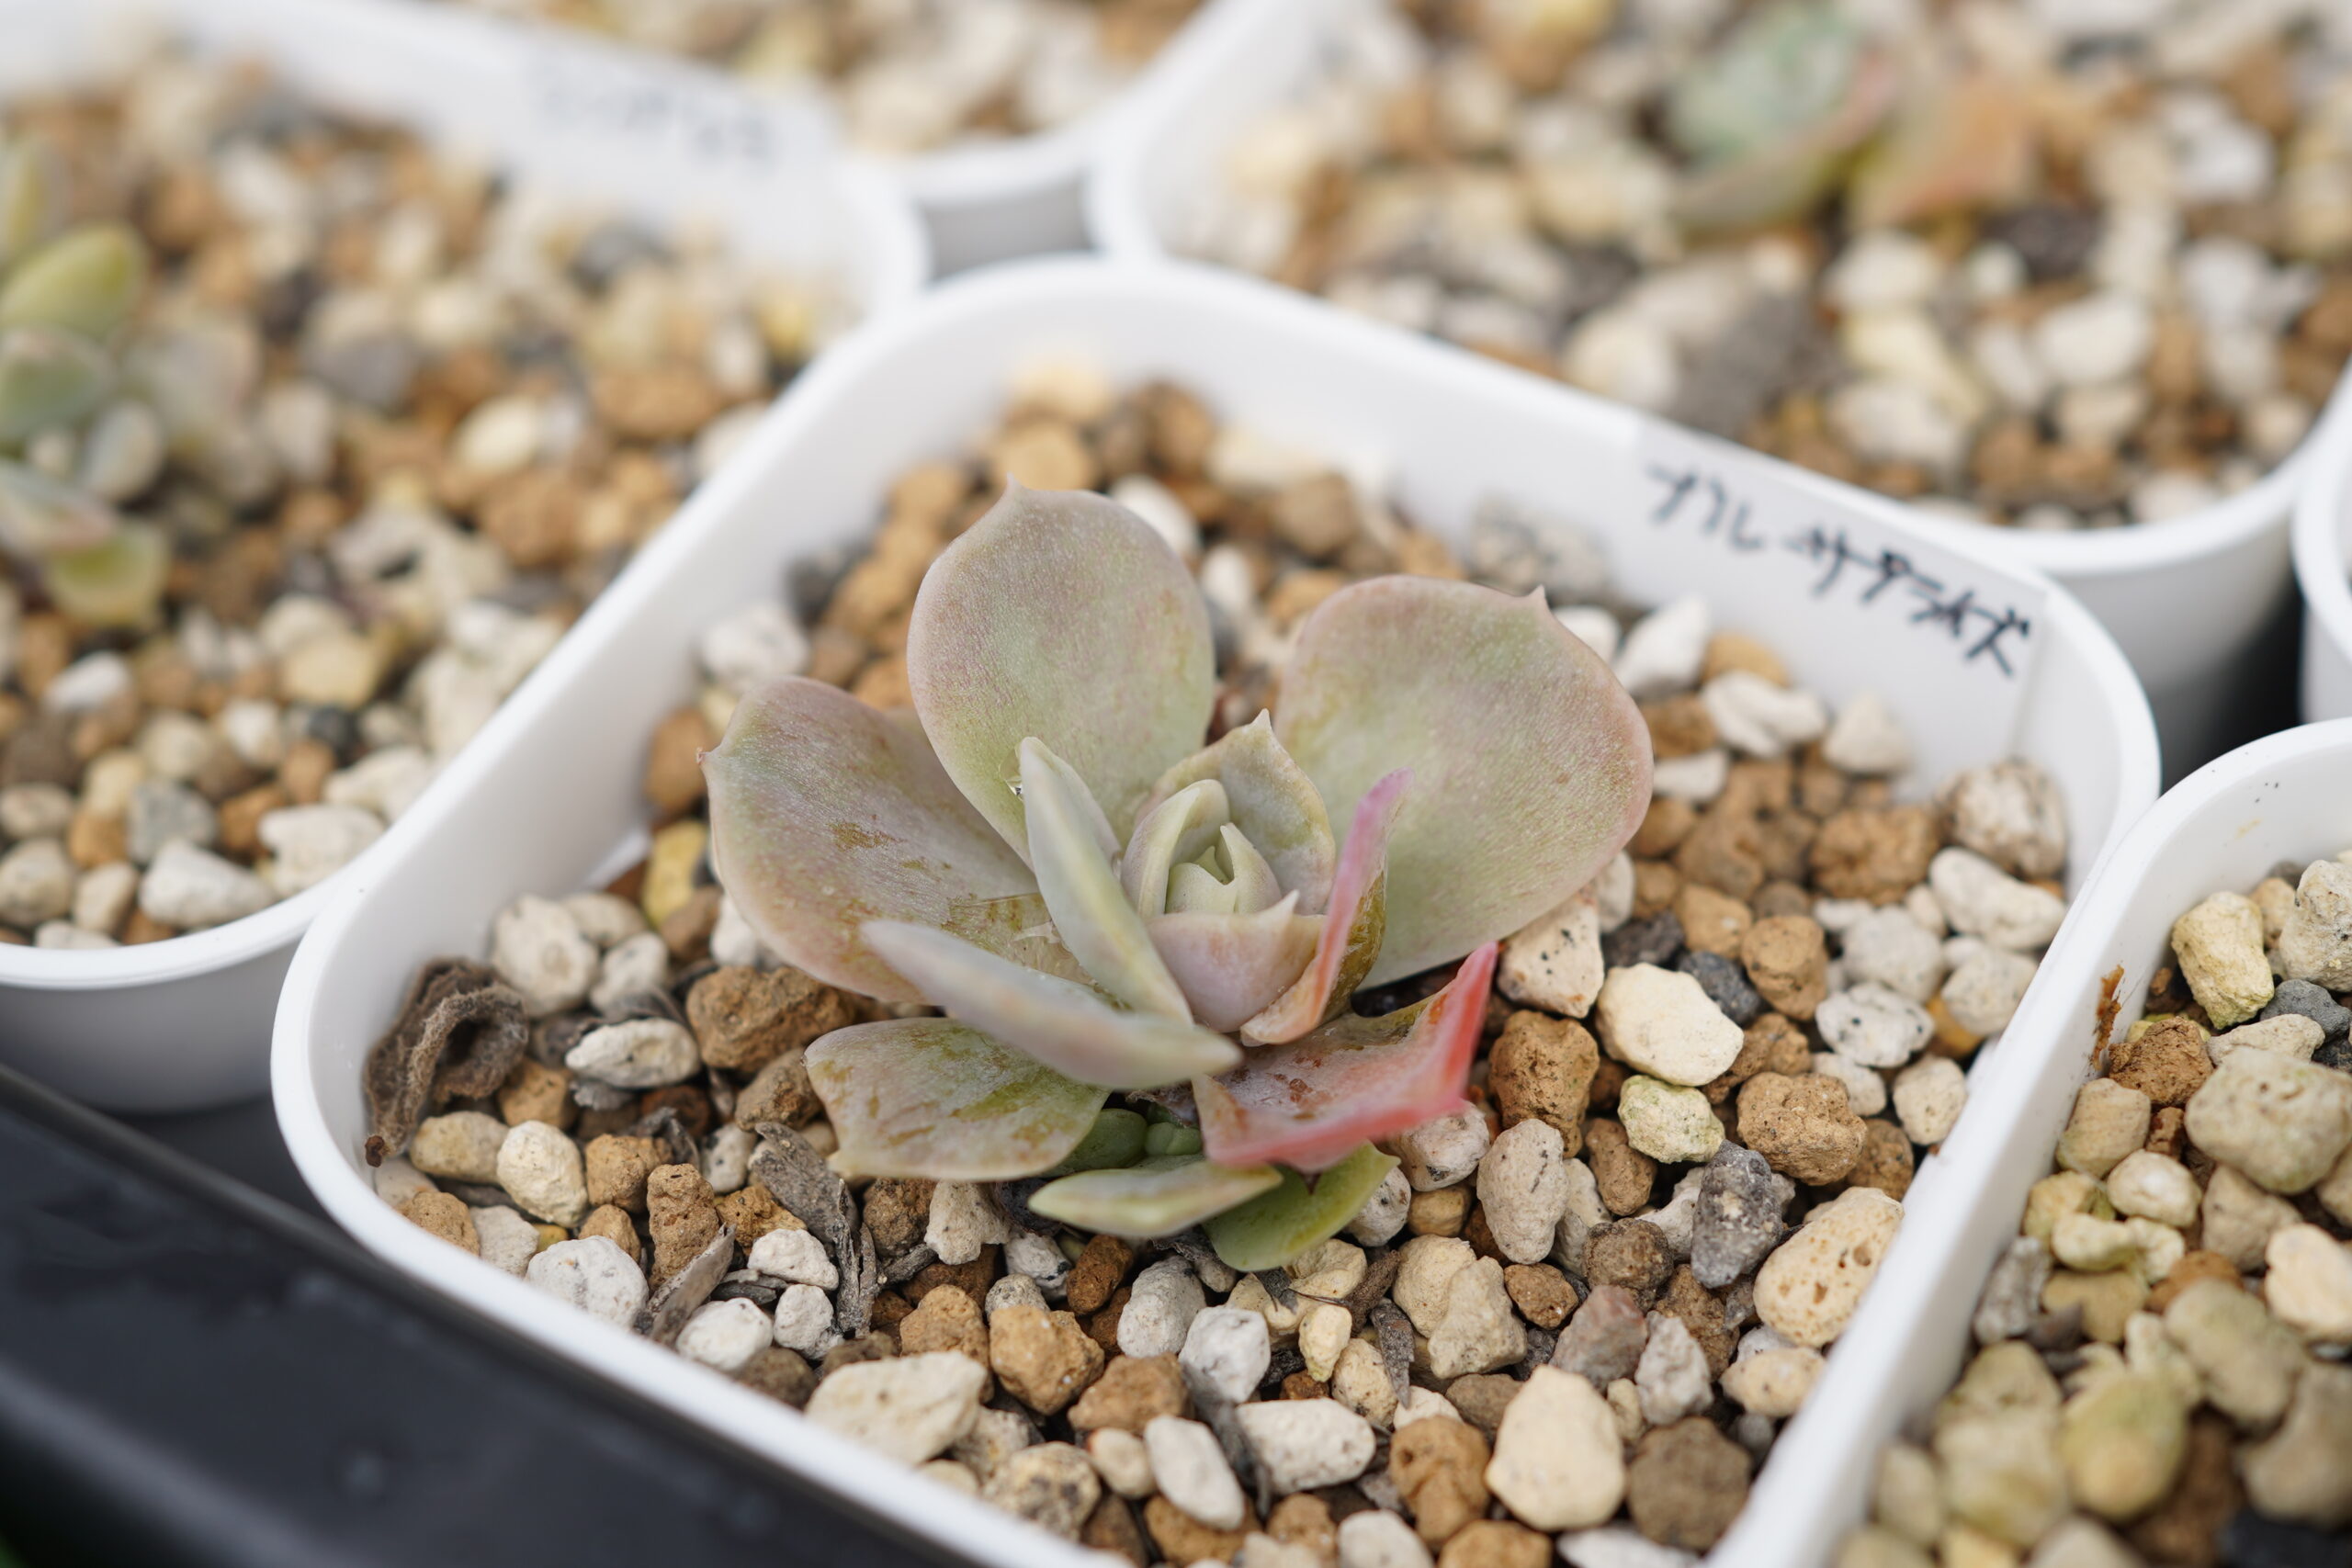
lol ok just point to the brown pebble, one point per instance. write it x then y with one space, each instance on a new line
1787 960
780 1092
1439 1465
1712 923
143 927
779 1373
615 1226
1656 882
2167 1132
1131 1391
1317 517
1304 1519
1541 1068
973 1279
1687 1484
1629 1254
1875 854
1727 651
2193 1265
681 1215
673 780
2186 1528
2167 1063
898 1210
1183 1539
744 1020
240 817
1679 725
1667 822
1104 1326
303 769
92 839
445 1216
1496 1543
616 1168
1304 1385
1622 1172
1724 851
752 1211
1541 1292
1044 1358
1112 1527
889 1310
1701 1312
1885 1161
537 1092
947 1320
875 1347
690 1102
685 931
1441 1211
1802 1126
1044 454
1098 1272
1770 1045
1482 1397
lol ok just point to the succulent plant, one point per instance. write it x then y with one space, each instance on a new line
68 429
1773 117
1047 852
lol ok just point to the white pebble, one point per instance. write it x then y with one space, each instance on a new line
538 948
1929 1097
191 889
1226 1350
592 1274
643 1052
725 1334
1305 1443
1873 1026
1192 1472
795 1257
803 1320
1663 652
1868 738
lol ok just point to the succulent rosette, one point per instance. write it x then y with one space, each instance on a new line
1048 853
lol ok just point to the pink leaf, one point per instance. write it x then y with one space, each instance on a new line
1530 765
1230 967
825 814
1354 928
1309 1103
1063 617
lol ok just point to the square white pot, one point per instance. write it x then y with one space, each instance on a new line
183 1024
549 792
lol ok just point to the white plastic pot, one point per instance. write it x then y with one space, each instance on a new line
2201 603
550 791
2288 796
2323 530
184 1023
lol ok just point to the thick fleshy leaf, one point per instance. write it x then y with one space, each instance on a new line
1272 801
1233 966
1530 765
1170 832
1159 1197
1063 1024
1064 617
1308 1103
1118 1139
1270 1230
1354 927
929 1097
1091 911
826 814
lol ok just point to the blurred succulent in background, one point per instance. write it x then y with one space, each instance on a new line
1775 116
75 440
1047 852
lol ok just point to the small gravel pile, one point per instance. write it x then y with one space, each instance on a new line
2160 1374
1582 1308
907 76
395 422
2052 266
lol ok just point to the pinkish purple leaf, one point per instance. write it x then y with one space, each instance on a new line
1159 1197
1311 1102
929 1097
826 814
1270 799
1232 966
1530 765
1091 911
1066 1026
1063 617
1354 928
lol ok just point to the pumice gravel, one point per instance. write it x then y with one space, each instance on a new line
377 423
1574 1317
2050 265
2159 1368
